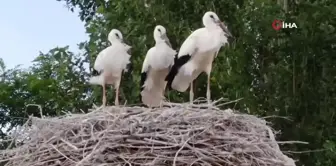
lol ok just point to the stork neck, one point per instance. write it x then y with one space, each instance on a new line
116 41
113 40
157 38
212 26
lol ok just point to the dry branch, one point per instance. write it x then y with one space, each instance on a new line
178 135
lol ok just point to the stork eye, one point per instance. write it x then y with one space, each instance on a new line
117 35
159 30
211 16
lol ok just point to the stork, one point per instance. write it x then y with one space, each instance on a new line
158 61
197 53
111 63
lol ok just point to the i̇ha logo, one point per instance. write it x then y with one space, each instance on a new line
278 24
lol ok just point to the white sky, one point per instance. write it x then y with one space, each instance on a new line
30 26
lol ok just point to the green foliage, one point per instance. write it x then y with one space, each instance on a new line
56 81
290 72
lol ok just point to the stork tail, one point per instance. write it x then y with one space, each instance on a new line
99 80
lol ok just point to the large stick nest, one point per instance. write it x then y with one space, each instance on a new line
179 135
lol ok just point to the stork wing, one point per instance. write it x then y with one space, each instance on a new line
187 50
145 64
98 65
189 46
145 67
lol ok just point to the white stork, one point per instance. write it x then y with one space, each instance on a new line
159 59
197 54
110 63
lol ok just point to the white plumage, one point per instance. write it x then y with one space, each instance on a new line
155 68
110 63
197 54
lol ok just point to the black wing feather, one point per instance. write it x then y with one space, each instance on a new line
178 62
96 73
142 82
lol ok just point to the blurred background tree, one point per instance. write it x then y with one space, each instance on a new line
291 72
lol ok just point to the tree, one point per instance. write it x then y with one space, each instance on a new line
287 73
56 82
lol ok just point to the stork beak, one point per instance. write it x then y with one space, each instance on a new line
127 47
165 38
225 29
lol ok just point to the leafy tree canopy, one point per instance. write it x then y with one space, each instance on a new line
289 73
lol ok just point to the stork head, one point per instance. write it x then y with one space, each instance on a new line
210 19
160 34
115 35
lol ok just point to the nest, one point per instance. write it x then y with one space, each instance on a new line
177 135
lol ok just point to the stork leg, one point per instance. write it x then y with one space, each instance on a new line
208 95
116 102
208 72
163 98
104 95
191 93
161 103
117 85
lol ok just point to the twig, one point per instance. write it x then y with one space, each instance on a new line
62 154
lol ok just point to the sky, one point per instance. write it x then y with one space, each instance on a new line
30 26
